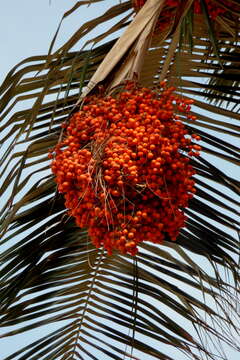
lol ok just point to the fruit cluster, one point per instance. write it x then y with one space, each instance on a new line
123 166
171 6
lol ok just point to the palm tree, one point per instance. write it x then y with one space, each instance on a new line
171 301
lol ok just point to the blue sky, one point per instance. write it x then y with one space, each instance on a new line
28 26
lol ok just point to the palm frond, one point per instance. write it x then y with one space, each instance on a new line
170 296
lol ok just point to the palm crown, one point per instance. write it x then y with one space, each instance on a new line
170 295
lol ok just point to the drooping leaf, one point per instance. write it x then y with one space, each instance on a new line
111 307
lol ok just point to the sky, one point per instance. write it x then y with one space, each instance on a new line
28 26
26 29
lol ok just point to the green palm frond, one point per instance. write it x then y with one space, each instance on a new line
168 298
